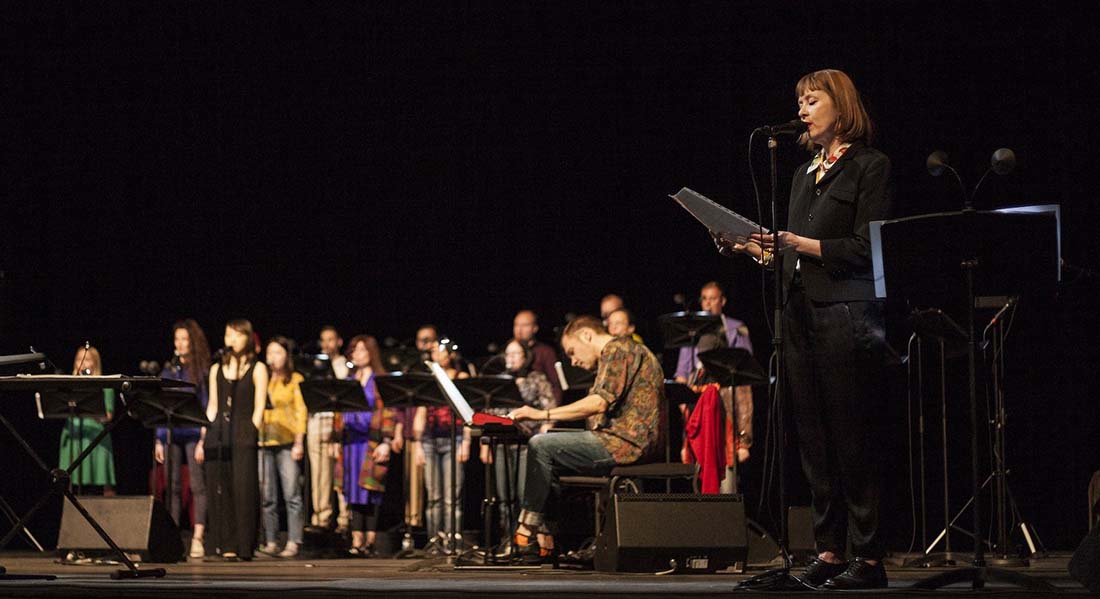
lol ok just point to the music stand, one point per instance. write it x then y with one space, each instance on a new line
168 408
69 406
733 367
409 390
333 395
683 329
926 261
76 388
933 323
401 390
486 393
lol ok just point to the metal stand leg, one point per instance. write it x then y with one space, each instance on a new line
781 578
60 481
978 574
12 517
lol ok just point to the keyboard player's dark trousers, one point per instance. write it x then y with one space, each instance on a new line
551 455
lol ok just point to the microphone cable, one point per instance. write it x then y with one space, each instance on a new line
759 221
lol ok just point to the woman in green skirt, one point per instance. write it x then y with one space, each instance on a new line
97 471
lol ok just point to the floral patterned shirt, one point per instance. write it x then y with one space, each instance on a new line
630 380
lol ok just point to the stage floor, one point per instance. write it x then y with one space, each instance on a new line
293 579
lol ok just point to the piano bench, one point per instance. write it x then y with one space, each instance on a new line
603 487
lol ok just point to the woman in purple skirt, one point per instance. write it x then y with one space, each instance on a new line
366 441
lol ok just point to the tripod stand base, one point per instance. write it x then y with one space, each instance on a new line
478 559
1009 562
128 574
411 553
4 576
977 577
778 579
935 560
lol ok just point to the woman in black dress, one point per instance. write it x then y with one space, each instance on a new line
238 393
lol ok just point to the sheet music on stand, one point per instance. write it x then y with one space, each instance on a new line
716 217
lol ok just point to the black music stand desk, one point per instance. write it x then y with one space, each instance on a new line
60 396
947 260
168 408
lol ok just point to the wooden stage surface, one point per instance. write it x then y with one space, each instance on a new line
300 578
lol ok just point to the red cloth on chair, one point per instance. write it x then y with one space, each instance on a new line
706 438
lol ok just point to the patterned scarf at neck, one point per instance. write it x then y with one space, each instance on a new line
822 164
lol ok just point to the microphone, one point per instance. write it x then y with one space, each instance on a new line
680 299
1009 304
495 362
793 127
1002 163
84 356
1004 160
936 163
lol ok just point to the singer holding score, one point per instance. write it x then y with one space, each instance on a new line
833 326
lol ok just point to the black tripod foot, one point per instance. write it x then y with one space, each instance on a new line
26 576
779 579
410 553
977 577
126 574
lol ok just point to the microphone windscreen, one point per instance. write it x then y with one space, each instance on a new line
797 126
1004 160
936 162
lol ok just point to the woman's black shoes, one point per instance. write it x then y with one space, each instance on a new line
365 552
858 575
819 571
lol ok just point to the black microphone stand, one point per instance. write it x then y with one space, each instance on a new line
777 579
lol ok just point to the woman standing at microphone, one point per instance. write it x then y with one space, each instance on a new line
238 392
834 326
190 363
366 439
281 448
98 469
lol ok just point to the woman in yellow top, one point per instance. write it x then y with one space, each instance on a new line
281 449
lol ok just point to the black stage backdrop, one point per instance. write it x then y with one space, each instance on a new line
377 166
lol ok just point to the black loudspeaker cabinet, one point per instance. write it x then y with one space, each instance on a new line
1084 567
649 532
138 524
800 534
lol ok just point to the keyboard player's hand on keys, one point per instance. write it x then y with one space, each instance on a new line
526 413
